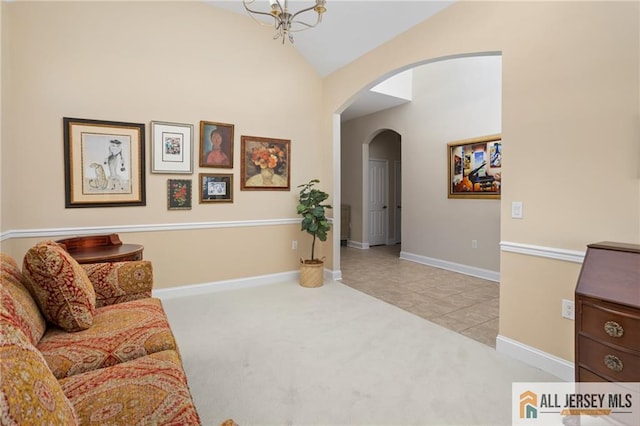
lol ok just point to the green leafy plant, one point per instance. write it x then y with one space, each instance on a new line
312 210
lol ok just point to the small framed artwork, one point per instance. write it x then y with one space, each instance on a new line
265 164
179 194
475 167
216 144
171 147
216 188
104 163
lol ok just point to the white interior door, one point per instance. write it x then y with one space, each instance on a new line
398 203
378 201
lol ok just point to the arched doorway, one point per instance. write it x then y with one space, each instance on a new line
384 189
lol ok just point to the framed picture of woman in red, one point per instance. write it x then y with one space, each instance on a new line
216 144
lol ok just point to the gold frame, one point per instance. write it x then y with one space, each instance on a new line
475 168
204 179
265 177
179 193
226 132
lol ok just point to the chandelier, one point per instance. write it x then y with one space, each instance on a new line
284 21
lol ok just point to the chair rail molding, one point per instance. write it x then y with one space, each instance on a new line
123 229
541 251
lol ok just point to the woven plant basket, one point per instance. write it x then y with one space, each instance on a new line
311 273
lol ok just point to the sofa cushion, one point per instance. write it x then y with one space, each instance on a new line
16 303
151 390
60 286
29 393
119 282
119 333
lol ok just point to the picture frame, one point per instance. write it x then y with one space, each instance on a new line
475 168
171 148
266 164
104 163
179 194
220 135
216 188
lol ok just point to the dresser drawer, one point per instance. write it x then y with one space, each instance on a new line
611 363
585 375
610 323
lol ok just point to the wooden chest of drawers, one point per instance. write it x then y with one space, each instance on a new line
607 325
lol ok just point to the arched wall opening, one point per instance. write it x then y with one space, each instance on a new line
454 97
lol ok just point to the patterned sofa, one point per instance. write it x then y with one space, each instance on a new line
86 344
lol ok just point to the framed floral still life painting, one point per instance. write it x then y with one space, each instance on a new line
216 144
216 188
265 164
179 194
171 147
475 167
104 163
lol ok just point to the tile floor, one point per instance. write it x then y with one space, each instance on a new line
461 303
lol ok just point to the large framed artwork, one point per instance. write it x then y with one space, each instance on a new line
171 147
266 164
216 144
104 163
475 167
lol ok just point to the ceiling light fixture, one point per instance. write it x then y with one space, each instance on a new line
284 21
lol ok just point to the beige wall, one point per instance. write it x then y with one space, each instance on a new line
137 62
570 131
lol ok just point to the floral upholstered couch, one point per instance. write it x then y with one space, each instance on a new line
86 344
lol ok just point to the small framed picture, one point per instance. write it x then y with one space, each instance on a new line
103 163
179 194
171 147
265 164
216 188
216 144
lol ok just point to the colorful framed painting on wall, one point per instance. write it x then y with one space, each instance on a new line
216 144
266 164
475 167
179 194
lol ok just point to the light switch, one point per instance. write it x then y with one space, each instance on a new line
516 210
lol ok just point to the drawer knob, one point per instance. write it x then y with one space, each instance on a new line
613 363
613 329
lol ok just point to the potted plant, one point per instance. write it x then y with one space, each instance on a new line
314 222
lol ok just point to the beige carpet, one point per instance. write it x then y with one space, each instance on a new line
284 355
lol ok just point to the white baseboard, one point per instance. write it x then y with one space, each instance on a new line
451 266
211 287
559 367
357 244
203 288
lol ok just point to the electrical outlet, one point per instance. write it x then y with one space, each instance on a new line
568 309
294 245
474 243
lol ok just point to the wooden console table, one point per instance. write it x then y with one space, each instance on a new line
101 249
